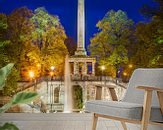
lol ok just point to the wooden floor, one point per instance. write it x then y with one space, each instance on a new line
57 121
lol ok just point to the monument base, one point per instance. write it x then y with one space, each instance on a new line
82 65
80 52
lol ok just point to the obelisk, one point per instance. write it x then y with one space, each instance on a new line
81 29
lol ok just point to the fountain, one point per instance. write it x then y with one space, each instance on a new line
80 58
68 102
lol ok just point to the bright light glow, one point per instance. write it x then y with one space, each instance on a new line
103 67
52 68
38 65
124 73
51 73
31 74
41 97
130 65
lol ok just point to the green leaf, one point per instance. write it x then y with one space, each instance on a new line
23 97
8 126
4 72
5 107
20 98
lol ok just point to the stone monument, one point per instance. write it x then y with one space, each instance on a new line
81 29
83 65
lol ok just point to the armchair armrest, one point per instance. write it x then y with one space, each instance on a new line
148 97
147 88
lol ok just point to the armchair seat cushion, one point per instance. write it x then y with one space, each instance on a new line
131 111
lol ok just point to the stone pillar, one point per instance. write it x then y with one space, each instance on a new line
85 69
76 68
81 29
93 68
83 96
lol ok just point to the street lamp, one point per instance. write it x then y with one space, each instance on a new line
38 65
32 75
51 74
125 76
52 68
103 88
102 68
124 73
130 65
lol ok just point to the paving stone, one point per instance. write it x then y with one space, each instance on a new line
58 121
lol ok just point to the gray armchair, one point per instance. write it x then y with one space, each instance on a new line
142 103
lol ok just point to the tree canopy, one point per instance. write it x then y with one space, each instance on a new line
109 44
150 38
34 41
50 37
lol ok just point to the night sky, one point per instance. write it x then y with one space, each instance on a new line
67 11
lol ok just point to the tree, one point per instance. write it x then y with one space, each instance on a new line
49 36
150 38
43 21
10 86
3 28
3 40
20 28
54 49
18 32
109 44
33 39
148 50
156 13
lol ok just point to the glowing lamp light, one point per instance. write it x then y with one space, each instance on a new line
52 68
31 74
51 73
38 65
103 67
124 73
130 65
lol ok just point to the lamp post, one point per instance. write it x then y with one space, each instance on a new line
52 68
125 76
130 66
103 88
32 76
102 68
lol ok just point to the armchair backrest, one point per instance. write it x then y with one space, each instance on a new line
144 77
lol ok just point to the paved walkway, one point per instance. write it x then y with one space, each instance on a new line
60 121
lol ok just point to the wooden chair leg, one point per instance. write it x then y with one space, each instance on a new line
124 125
94 123
160 98
146 110
98 92
113 94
